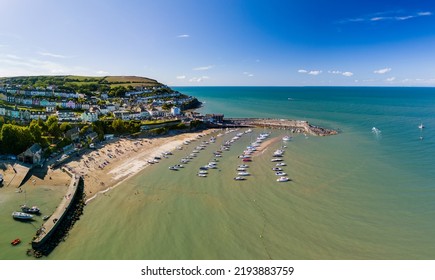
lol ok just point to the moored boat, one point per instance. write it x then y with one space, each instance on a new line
239 178
21 216
30 210
16 242
283 179
287 138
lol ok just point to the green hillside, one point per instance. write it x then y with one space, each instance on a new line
77 82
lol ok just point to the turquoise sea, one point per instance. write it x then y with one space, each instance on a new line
355 195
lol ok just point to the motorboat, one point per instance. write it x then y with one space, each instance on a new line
277 169
21 216
244 166
276 159
421 126
243 173
173 168
241 169
283 179
280 173
239 178
281 164
30 210
202 175
203 172
287 138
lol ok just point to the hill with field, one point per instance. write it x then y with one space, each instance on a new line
80 84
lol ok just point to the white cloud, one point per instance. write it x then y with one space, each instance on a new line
422 14
391 79
302 71
12 65
315 72
52 55
183 36
102 73
382 71
398 15
347 74
199 79
334 72
203 68
181 77
248 74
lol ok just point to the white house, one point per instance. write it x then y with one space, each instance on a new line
89 117
175 111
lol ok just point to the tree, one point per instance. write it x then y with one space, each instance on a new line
118 126
65 126
15 139
36 132
54 130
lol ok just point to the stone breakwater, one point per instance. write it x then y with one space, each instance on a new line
56 228
295 126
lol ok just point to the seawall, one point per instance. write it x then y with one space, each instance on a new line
295 126
57 225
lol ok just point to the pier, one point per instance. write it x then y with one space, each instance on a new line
57 225
295 126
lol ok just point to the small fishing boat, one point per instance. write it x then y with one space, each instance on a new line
239 178
244 166
421 126
15 242
202 175
281 164
277 169
173 168
30 210
287 138
276 159
243 173
280 173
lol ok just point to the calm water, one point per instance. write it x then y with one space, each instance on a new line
353 196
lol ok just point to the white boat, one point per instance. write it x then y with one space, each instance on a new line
173 168
30 210
202 175
243 173
277 169
244 166
281 164
375 130
22 216
203 172
280 173
287 138
241 169
421 126
239 178
282 179
276 159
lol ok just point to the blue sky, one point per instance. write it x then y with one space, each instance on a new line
223 42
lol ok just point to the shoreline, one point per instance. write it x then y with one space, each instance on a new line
106 168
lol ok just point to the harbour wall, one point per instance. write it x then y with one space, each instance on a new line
295 126
57 226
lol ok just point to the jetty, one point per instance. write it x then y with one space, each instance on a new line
295 126
57 225
14 174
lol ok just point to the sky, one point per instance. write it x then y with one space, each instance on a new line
223 42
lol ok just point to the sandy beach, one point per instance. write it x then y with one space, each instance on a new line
118 160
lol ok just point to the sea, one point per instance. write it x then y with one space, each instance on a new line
367 193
